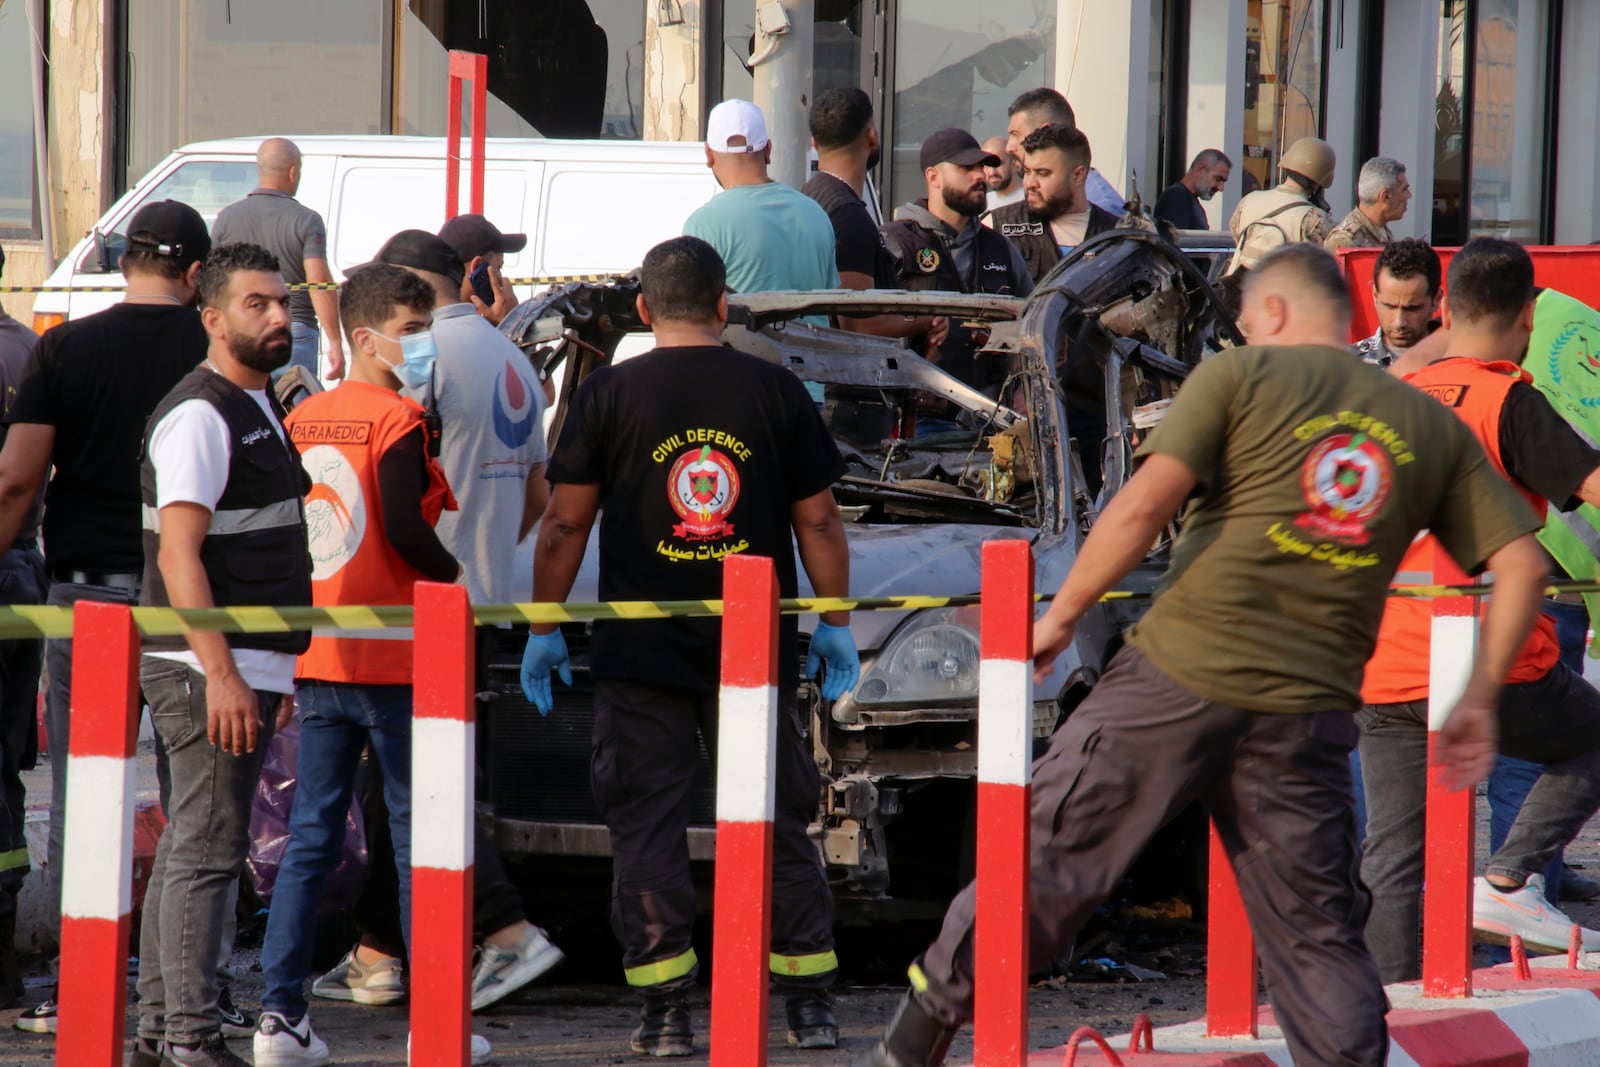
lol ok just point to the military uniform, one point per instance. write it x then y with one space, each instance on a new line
1355 230
1272 217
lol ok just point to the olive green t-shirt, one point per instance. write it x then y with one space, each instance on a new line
1315 471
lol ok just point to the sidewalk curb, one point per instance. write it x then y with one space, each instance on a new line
1549 1020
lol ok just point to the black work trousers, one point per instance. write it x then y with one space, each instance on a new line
642 771
1136 752
22 581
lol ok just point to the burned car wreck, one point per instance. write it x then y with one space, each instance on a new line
1090 357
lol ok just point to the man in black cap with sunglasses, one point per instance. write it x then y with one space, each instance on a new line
940 245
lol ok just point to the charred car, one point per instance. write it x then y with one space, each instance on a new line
1090 357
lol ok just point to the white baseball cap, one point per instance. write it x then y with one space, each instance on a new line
736 126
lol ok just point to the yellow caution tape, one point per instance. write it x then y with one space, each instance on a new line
37 620
547 279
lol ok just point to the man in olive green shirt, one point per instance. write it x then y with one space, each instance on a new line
1309 474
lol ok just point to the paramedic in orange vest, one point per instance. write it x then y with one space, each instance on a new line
1549 714
375 495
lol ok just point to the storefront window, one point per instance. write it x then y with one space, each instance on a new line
1449 124
18 214
961 64
202 69
1283 83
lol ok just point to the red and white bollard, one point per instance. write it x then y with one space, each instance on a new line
1448 871
442 785
97 868
747 746
1005 765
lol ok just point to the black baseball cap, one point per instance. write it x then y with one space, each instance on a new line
473 236
169 228
424 251
952 145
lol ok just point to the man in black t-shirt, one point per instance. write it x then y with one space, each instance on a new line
89 389
692 452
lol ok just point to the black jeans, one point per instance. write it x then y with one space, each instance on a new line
22 581
1136 752
1554 721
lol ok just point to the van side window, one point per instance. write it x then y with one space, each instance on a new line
208 186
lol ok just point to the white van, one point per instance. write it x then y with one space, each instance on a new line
588 207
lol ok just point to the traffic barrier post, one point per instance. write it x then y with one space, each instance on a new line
1448 831
97 867
1232 970
474 68
747 746
442 770
1005 761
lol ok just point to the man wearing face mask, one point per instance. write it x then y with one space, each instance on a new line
364 448
939 244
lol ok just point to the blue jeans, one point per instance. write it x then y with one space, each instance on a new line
336 723
307 347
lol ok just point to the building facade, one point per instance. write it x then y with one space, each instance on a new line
1489 103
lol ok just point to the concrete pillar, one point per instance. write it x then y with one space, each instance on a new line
674 60
1410 88
1577 159
1103 69
1346 94
1216 94
783 87
80 106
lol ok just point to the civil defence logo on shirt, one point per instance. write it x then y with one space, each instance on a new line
336 510
513 407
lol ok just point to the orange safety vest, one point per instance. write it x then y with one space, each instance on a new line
342 434
1398 670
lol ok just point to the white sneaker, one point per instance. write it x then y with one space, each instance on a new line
1500 913
278 1044
503 971
480 1050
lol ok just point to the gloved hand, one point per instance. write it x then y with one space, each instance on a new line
834 646
545 653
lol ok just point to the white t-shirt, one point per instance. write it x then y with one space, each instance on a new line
1002 199
191 449
1069 229
491 411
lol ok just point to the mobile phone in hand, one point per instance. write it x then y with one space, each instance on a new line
481 284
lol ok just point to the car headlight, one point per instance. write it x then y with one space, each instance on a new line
933 658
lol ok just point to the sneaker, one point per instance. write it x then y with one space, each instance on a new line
480 1050
1577 887
212 1052
811 1020
383 982
236 1022
503 971
146 1053
1500 913
279 1043
664 1028
38 1020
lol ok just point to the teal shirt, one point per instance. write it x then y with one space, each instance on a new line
770 236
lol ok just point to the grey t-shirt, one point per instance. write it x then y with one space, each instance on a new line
17 343
491 408
283 226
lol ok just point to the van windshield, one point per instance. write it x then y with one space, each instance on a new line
208 186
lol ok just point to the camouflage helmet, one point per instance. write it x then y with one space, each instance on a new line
1312 158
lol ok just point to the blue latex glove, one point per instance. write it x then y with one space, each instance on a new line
834 646
545 653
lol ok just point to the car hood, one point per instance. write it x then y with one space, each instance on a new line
904 560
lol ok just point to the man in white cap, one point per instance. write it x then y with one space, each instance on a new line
770 235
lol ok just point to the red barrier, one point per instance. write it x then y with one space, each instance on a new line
1231 967
443 741
474 68
747 746
1572 269
1005 750
97 869
1447 903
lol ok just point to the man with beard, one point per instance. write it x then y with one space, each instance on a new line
1057 216
939 244
1005 179
1045 107
223 525
1180 203
82 406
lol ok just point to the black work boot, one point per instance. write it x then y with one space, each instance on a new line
811 1021
11 987
664 1027
914 1039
